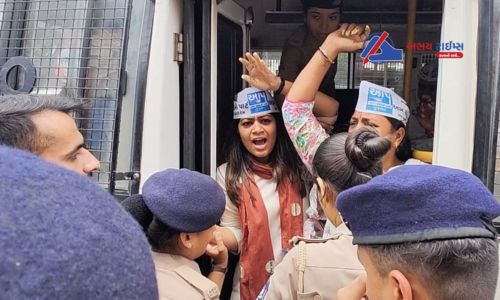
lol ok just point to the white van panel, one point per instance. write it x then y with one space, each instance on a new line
456 90
161 133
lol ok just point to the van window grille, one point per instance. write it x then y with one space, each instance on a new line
390 74
76 47
272 58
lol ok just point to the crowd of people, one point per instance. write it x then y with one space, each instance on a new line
310 214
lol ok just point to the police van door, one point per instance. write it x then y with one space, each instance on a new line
231 32
192 44
213 33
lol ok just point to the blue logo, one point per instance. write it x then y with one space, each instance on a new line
258 102
379 101
380 49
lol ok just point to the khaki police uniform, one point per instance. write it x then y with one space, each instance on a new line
299 48
315 269
180 278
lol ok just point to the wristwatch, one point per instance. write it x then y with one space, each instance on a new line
217 268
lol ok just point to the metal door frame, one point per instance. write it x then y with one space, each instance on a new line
488 93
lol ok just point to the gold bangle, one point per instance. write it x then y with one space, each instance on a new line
332 61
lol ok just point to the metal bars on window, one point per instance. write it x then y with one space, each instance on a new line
77 48
390 74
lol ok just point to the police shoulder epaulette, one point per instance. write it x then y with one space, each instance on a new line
205 286
296 239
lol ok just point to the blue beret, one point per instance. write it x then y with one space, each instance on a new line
63 237
418 203
184 200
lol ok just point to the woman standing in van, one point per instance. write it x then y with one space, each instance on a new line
263 181
378 107
303 127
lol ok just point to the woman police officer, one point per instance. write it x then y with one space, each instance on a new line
178 210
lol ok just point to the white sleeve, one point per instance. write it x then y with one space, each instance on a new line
231 217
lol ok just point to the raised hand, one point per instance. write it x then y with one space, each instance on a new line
259 75
349 37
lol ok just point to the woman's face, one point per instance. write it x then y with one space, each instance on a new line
384 128
258 135
322 21
377 122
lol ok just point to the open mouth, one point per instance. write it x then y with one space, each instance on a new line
259 142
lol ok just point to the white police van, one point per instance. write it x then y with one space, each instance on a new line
162 74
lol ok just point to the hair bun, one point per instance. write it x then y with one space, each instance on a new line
135 206
364 148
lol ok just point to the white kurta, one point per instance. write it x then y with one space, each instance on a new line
231 219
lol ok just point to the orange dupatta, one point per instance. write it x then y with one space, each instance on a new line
256 257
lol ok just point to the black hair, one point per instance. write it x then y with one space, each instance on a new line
345 160
464 268
137 208
16 126
403 152
161 237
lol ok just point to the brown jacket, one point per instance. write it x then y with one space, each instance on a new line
329 265
180 278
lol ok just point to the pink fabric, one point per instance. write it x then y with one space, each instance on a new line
304 129
306 134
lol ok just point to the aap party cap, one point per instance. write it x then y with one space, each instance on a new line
184 200
64 237
252 102
416 203
376 99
